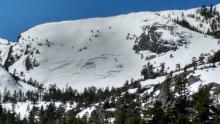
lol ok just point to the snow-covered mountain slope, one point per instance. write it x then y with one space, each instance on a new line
83 53
4 47
104 51
7 80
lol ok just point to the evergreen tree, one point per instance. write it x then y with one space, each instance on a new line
182 101
202 104
158 113
28 63
32 114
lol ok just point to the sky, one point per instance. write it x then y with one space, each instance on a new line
16 16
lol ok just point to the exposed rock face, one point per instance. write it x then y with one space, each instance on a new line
10 59
152 39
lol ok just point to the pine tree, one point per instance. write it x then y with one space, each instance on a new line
170 114
166 88
28 63
157 113
202 104
120 115
182 101
94 118
32 114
